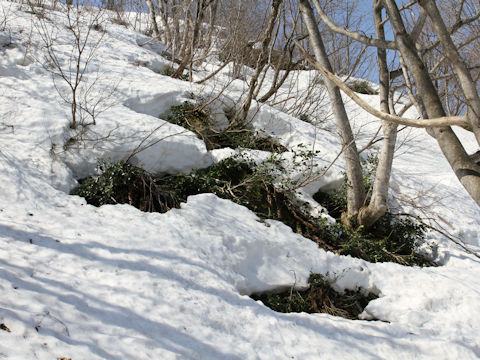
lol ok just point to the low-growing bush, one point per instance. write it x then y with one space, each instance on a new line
318 298
169 71
198 121
235 179
362 87
390 239
393 238
123 183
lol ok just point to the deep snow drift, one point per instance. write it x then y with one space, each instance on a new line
114 283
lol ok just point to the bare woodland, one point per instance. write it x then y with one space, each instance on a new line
425 50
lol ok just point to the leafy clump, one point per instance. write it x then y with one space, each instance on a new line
123 183
336 201
169 71
318 298
393 238
252 186
198 120
234 178
362 87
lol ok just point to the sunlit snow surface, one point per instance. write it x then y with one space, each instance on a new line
114 283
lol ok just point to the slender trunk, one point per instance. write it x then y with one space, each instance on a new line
261 62
461 70
211 28
285 58
378 203
467 171
355 191
153 20
163 5
190 50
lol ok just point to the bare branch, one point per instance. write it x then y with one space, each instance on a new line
420 123
352 34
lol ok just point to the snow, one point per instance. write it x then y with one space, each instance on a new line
115 283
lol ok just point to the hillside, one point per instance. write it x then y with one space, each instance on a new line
113 282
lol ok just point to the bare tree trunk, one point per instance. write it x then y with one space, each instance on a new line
461 70
378 203
110 4
163 5
261 62
207 41
465 169
284 62
153 20
190 50
355 191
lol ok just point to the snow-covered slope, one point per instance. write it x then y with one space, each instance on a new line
112 282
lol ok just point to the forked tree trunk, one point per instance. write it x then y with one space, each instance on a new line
242 115
153 20
355 190
163 6
467 171
208 38
190 49
378 203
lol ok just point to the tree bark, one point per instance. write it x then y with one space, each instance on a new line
463 74
153 20
261 62
465 169
355 191
377 206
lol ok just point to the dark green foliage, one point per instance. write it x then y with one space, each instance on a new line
336 201
362 87
318 298
251 186
169 71
237 180
123 183
215 179
391 239
187 115
198 121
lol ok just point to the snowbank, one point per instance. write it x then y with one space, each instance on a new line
114 283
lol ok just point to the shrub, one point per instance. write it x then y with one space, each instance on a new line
169 71
198 121
392 238
123 183
318 298
362 87
235 179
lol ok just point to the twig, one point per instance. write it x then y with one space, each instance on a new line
458 242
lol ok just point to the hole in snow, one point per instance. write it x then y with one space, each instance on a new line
320 297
